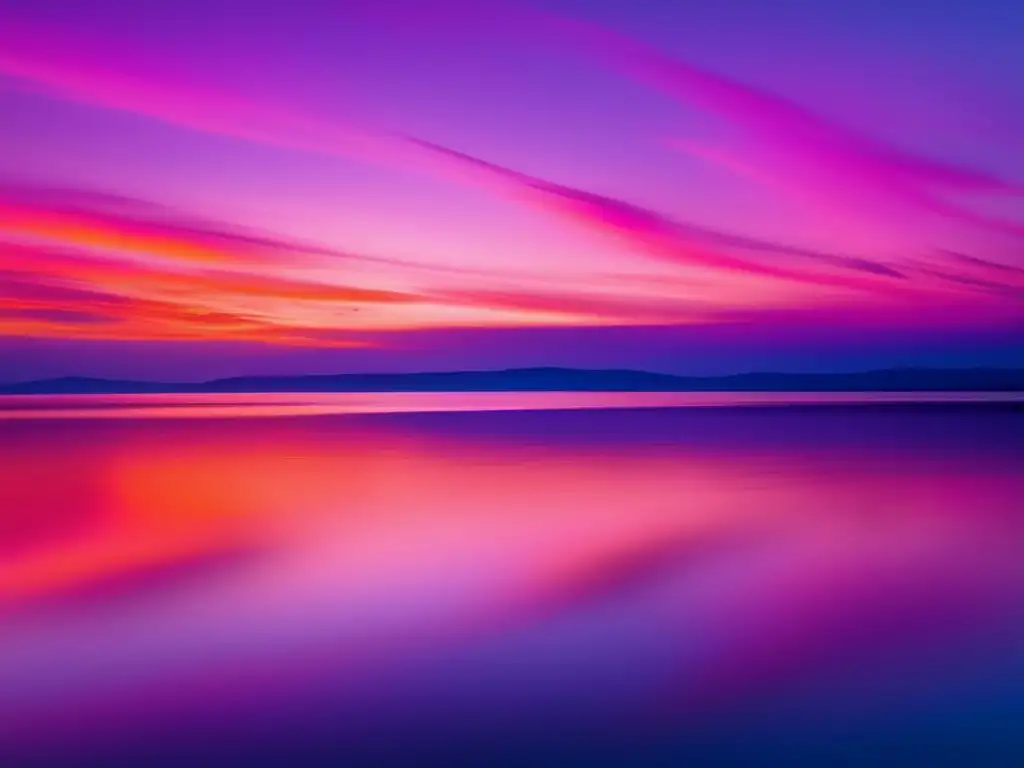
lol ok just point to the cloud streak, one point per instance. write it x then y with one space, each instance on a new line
110 75
66 271
796 148
662 238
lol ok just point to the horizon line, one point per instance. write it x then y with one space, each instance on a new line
517 369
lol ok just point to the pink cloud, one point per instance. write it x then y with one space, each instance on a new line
86 265
662 238
110 74
794 147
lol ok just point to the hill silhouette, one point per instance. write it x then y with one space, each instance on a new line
558 379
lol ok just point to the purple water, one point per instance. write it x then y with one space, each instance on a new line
528 579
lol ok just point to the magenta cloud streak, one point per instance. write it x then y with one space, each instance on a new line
801 149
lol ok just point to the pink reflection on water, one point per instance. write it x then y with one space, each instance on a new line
249 405
508 566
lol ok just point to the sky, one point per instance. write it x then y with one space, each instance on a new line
215 187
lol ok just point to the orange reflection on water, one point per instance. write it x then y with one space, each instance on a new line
140 495
728 545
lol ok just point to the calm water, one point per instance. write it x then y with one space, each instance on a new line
356 580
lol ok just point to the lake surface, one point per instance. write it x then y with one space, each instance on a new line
529 579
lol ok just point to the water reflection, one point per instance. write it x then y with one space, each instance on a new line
620 578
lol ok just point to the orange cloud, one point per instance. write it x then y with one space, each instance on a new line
84 271
93 230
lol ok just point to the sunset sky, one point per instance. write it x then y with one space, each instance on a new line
220 187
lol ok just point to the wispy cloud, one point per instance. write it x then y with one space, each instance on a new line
110 74
75 266
794 147
658 236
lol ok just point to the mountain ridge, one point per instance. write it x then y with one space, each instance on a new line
548 379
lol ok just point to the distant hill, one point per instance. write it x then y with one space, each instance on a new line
560 379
